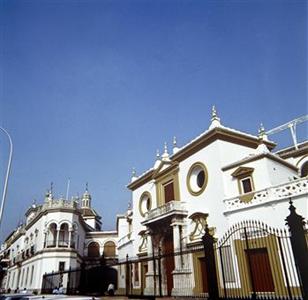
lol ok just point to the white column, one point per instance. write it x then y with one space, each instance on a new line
182 274
57 238
176 242
69 238
149 276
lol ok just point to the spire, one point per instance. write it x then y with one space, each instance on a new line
158 160
215 120
134 176
86 198
165 155
175 147
49 195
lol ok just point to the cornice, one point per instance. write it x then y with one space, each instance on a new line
141 180
294 152
257 157
218 133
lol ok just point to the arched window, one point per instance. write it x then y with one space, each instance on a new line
93 249
63 235
52 235
109 249
304 169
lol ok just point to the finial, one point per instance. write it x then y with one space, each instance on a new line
134 175
175 147
165 155
51 187
33 203
261 132
157 154
214 112
87 187
215 120
174 141
157 161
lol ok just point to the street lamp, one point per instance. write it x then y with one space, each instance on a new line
7 174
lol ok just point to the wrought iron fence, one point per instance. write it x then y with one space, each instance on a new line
251 261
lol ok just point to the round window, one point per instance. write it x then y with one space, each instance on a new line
197 178
145 203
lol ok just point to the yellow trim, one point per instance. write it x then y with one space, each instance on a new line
144 194
305 156
203 167
219 134
200 143
245 197
162 181
270 243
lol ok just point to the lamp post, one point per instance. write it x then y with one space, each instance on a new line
7 174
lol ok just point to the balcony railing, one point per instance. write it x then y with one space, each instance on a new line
170 208
61 244
272 194
50 244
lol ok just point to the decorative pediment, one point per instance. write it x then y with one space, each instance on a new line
164 168
242 171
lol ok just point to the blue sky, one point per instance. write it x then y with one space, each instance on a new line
90 89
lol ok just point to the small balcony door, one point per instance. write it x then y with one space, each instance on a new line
169 191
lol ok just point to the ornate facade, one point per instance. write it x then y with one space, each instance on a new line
57 235
221 177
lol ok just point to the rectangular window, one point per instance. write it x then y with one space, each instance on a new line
169 192
246 185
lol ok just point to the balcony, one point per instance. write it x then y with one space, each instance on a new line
172 208
269 195
61 244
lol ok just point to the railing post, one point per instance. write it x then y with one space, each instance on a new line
299 247
68 281
154 272
159 272
210 264
223 272
127 276
254 295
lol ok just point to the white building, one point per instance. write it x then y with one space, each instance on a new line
221 177
56 236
